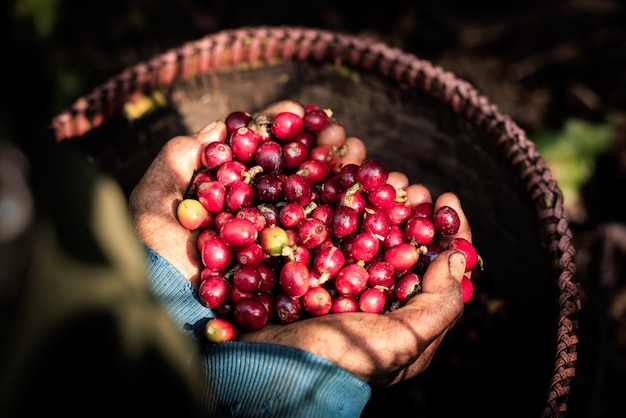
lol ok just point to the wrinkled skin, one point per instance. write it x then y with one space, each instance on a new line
380 349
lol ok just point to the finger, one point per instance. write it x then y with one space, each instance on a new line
417 194
282 106
440 303
421 364
207 128
213 132
444 273
355 152
333 134
428 316
398 180
168 176
181 156
452 200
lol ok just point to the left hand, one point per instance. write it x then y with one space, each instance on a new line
155 198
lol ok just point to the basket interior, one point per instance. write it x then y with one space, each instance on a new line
506 338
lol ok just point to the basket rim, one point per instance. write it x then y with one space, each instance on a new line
233 49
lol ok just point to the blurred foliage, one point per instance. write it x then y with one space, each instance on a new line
571 152
42 13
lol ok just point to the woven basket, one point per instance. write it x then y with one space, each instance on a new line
514 351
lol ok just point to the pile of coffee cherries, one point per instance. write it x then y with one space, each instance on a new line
289 230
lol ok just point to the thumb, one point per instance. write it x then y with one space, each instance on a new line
440 303
444 274
182 155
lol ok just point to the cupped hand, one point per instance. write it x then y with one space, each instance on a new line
155 198
381 349
384 349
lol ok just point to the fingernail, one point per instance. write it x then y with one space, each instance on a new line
207 128
456 265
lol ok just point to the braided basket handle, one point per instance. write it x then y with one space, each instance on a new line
228 50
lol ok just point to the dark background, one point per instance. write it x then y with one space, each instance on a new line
540 61
543 62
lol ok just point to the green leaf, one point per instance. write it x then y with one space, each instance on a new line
43 14
571 152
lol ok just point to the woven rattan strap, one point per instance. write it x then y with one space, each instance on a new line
234 51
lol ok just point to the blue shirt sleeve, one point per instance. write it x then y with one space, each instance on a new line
256 379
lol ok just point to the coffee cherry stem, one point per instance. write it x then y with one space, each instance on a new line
395 305
379 237
480 263
355 188
287 251
310 207
261 123
401 196
230 273
251 173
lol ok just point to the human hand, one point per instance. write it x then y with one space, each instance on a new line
384 349
154 199
381 349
